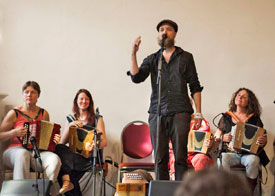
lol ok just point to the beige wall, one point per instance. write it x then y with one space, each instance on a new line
65 45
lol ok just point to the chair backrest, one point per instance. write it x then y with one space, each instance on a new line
136 140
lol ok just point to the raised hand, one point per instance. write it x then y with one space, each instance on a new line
136 45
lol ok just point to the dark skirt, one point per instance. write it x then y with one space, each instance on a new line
73 164
72 161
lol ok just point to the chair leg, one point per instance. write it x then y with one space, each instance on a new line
258 189
118 175
101 191
104 184
259 183
252 184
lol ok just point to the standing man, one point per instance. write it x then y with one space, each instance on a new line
178 70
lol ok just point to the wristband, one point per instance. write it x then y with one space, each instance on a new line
198 116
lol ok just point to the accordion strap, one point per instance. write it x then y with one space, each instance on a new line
41 110
237 119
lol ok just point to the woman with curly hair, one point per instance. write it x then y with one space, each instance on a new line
244 107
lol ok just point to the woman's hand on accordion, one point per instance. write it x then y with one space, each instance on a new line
56 138
262 140
209 142
76 123
20 132
218 136
89 146
227 137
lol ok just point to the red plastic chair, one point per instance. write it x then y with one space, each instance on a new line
136 144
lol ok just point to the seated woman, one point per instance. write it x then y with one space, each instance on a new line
73 164
16 156
195 160
244 107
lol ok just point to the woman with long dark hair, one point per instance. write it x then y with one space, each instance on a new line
73 164
244 107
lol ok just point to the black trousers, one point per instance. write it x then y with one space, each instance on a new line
176 127
73 164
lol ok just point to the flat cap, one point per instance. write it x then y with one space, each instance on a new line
168 22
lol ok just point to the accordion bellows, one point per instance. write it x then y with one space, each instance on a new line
196 141
78 137
244 137
43 131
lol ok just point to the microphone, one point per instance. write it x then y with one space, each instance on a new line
33 142
164 37
97 115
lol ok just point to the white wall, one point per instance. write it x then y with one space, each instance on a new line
65 45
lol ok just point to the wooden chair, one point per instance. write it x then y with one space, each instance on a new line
258 189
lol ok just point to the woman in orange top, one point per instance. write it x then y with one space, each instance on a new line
18 158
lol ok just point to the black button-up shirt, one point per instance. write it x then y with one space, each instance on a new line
174 78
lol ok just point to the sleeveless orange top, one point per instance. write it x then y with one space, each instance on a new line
21 118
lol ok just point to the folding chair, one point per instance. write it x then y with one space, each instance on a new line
136 144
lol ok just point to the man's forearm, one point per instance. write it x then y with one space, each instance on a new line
197 100
134 67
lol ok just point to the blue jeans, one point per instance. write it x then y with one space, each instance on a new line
250 161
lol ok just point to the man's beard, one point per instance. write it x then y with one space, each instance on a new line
167 43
